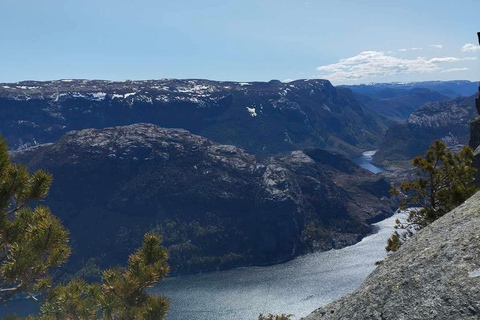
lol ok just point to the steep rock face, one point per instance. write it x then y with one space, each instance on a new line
216 205
264 118
434 275
446 120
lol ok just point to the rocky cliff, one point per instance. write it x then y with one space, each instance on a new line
448 121
434 275
216 205
264 118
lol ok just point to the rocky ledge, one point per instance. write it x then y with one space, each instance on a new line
216 205
435 275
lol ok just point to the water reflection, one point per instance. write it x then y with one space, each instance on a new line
365 161
297 287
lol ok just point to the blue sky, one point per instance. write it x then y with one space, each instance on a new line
343 41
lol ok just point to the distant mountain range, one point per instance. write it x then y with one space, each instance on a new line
398 104
264 118
451 89
397 101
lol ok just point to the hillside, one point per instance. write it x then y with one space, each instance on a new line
446 120
434 275
216 205
264 118
398 104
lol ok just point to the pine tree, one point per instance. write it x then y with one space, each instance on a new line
445 180
122 294
32 240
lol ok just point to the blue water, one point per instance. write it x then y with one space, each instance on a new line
298 286
365 161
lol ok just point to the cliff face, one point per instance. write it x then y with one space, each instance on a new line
216 205
448 121
264 118
434 275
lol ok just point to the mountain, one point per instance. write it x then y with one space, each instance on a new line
452 89
264 118
398 104
216 205
434 275
445 120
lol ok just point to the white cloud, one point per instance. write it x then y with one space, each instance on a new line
436 46
412 49
455 70
452 59
369 64
470 48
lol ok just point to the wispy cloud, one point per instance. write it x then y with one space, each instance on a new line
369 64
409 49
452 59
455 70
470 48
436 46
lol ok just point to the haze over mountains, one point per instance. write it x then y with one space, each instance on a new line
398 100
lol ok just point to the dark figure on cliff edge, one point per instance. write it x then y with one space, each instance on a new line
477 101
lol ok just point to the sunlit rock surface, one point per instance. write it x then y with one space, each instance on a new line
434 275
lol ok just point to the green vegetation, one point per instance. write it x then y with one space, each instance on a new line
445 180
122 292
32 241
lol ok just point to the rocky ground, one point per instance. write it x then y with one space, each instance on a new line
434 275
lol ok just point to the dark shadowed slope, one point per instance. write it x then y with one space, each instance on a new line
447 120
216 205
399 104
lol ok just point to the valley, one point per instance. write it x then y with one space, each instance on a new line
272 228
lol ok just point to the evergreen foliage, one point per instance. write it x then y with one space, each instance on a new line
32 240
445 180
122 294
